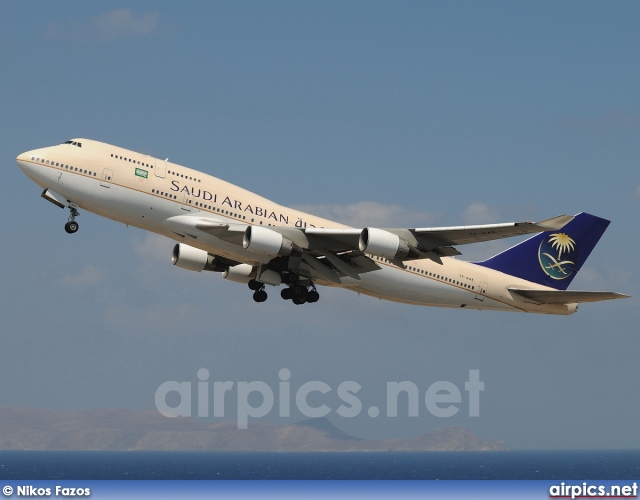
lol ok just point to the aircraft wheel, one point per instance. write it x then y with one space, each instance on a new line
298 300
313 296
291 278
71 227
260 296
285 293
254 285
299 290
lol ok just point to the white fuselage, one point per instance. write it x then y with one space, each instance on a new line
145 192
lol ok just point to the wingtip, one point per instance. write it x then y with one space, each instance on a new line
555 223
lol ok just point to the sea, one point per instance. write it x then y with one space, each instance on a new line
486 465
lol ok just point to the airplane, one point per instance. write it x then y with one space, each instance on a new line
223 228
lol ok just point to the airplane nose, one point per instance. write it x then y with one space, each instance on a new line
26 162
22 160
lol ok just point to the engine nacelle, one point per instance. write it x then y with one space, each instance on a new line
264 241
382 243
240 273
194 259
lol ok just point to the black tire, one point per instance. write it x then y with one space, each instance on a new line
286 294
299 290
254 285
260 296
313 296
298 300
291 278
71 227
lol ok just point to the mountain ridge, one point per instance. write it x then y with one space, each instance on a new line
114 429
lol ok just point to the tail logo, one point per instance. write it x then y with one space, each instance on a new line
557 255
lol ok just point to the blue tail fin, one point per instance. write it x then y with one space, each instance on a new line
552 258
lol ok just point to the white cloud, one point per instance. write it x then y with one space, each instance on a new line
116 24
124 23
89 275
479 213
153 248
371 213
599 276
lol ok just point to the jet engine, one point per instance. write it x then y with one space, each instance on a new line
194 259
383 244
264 241
240 273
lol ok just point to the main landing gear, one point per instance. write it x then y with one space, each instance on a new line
259 295
72 226
297 291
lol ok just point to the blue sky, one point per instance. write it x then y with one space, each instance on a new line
373 113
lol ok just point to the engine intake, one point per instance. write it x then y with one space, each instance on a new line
194 259
382 243
264 241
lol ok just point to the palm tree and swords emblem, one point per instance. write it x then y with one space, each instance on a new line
551 253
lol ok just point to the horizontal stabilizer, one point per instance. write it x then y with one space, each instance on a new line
566 296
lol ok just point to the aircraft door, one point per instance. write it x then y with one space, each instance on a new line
160 169
107 176
482 291
187 202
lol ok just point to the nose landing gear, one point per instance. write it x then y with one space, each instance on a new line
72 226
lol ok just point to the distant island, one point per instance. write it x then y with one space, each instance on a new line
108 429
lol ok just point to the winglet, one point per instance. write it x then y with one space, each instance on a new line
555 223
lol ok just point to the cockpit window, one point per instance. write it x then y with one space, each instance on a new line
73 143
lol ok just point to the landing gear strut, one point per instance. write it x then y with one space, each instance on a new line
259 295
72 226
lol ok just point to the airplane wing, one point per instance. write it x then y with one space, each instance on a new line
336 252
566 296
423 243
435 237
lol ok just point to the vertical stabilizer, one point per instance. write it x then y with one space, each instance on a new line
552 258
